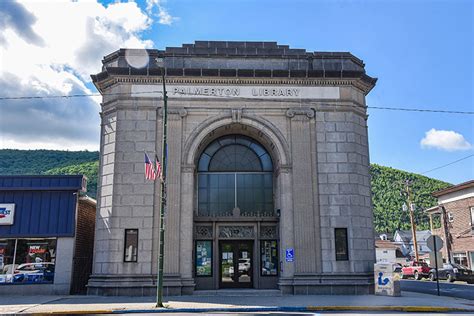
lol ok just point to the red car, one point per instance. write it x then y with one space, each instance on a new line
417 270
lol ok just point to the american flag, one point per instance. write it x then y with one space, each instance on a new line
150 173
158 168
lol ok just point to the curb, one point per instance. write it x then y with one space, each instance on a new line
426 309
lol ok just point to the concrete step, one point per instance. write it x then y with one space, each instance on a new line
237 292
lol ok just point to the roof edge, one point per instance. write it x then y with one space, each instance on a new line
454 188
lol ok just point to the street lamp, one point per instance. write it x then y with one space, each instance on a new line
164 162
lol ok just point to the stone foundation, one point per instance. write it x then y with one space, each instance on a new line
132 285
328 284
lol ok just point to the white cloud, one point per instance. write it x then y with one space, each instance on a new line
445 140
164 16
51 48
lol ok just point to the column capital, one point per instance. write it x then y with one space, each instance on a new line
185 168
174 113
300 113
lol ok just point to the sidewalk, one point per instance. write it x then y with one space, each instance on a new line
409 301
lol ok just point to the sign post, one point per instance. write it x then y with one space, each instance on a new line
435 243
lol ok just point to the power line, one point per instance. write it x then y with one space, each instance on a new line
231 97
66 96
400 182
448 164
420 110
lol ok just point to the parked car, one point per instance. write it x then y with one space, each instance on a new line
398 268
453 272
34 273
417 270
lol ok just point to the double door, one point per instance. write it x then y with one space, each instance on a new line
236 264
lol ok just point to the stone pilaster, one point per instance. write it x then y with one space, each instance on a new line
303 203
186 228
173 180
287 232
102 238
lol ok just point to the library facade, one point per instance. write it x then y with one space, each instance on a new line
268 171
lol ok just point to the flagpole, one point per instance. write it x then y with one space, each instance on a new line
164 158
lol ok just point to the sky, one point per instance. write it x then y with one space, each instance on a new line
420 51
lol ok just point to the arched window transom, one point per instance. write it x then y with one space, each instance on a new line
235 153
235 172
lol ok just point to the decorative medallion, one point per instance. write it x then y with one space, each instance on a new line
268 232
203 231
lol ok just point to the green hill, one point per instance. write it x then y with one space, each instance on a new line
386 182
28 162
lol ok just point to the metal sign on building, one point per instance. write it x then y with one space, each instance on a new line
7 214
290 255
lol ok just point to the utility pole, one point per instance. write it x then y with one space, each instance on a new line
447 235
411 209
164 162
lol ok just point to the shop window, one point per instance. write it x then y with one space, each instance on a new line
27 261
131 245
269 255
342 249
7 251
203 258
460 258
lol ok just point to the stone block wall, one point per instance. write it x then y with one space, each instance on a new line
105 189
344 190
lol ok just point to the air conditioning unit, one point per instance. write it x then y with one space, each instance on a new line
450 217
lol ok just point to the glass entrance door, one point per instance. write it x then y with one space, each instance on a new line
236 264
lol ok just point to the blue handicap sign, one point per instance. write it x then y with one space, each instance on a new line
290 255
381 281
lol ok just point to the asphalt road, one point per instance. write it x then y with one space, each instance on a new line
465 290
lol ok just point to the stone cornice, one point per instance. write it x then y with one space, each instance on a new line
335 82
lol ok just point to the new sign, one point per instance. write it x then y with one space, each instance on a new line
7 213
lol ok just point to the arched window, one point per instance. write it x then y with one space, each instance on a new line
235 171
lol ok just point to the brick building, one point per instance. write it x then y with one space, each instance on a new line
46 235
453 220
268 178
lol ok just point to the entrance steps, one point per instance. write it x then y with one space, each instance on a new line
237 292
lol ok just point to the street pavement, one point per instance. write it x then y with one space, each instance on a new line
460 290
217 303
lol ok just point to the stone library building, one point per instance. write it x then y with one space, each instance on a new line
267 184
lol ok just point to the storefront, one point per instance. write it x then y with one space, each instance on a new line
268 178
45 230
